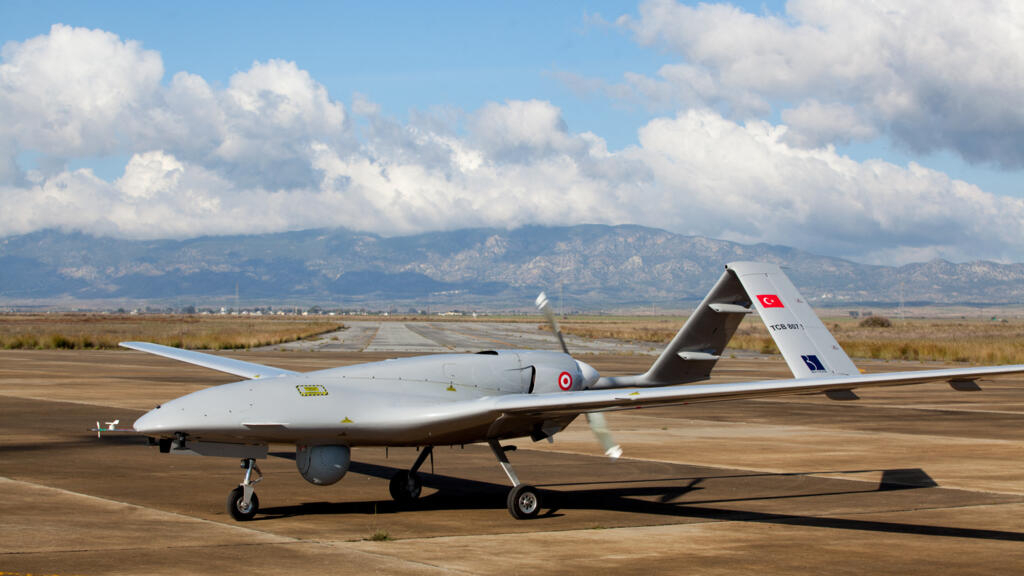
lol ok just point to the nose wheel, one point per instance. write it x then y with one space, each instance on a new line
237 506
242 501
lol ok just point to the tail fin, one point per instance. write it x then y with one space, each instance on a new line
695 350
805 343
745 287
697 346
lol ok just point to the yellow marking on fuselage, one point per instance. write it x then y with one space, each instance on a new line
311 389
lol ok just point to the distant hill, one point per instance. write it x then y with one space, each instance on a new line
598 267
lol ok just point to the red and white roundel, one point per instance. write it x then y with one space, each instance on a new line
565 380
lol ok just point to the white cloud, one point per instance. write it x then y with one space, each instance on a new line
518 127
273 104
814 124
150 174
272 151
188 119
363 106
9 172
68 200
744 182
934 74
77 92
72 91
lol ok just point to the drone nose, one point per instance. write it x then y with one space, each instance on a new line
151 422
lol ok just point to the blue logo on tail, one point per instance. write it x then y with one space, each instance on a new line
813 364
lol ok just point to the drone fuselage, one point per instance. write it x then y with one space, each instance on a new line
426 400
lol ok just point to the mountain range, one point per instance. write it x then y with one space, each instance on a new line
590 266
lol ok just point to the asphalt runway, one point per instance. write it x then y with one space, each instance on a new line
907 480
455 336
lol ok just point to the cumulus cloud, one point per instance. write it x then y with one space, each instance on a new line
933 74
743 181
814 124
270 106
72 91
77 92
520 126
272 151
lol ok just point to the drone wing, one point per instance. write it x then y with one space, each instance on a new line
626 398
249 370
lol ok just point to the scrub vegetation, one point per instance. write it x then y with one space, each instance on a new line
972 340
976 341
97 331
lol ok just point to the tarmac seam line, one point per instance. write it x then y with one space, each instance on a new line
279 540
478 337
157 510
369 341
760 470
819 428
789 400
349 546
694 523
79 402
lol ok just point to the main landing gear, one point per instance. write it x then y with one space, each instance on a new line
405 486
242 501
523 500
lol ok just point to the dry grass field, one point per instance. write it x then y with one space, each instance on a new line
93 331
973 340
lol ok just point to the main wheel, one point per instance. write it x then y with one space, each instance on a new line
237 509
523 502
405 487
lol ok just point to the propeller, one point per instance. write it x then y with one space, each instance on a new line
544 305
599 426
598 423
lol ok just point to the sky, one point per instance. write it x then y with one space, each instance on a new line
881 132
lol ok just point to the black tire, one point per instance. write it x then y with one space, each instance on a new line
405 487
235 508
523 502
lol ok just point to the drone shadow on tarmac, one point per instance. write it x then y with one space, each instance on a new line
657 496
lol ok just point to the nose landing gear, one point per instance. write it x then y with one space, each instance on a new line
242 501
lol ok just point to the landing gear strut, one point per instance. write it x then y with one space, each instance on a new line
405 485
242 501
523 500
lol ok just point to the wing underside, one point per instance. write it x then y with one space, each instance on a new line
249 370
